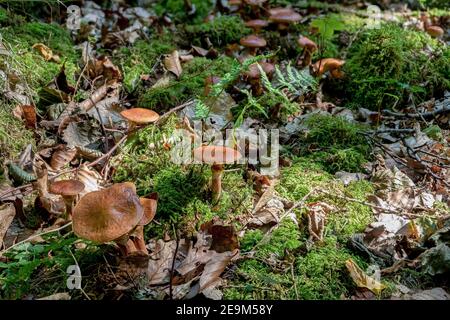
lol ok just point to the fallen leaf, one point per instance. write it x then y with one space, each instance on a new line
172 63
363 280
46 52
57 296
7 213
62 156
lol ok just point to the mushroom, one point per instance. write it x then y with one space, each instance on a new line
109 215
255 5
283 17
309 47
139 116
435 31
68 189
253 42
254 76
137 234
257 24
329 64
216 156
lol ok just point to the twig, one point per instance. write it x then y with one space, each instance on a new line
293 281
424 115
109 153
76 262
34 237
25 186
175 109
173 265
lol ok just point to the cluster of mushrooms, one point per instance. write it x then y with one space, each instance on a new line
282 18
117 214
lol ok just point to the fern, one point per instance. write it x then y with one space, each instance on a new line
201 110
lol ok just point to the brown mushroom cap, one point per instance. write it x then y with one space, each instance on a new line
107 214
307 43
435 31
150 204
257 24
140 115
327 64
216 155
67 187
253 41
253 70
284 16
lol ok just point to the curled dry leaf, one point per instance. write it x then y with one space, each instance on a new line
46 52
361 279
90 178
62 156
317 213
7 213
27 113
172 63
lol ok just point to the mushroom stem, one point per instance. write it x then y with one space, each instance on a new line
216 185
68 200
138 239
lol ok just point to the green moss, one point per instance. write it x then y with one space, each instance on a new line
352 217
322 273
140 58
221 31
298 179
441 4
434 132
189 85
180 13
28 63
337 143
14 137
389 64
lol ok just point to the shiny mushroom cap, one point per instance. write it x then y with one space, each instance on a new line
140 115
253 41
216 155
105 215
307 43
67 187
327 64
257 24
284 16
435 31
150 205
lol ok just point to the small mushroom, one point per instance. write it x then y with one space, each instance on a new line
283 17
329 64
255 6
254 76
216 156
309 47
109 215
139 116
68 189
253 42
435 31
257 24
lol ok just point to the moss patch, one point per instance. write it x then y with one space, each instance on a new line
28 63
180 13
189 85
220 31
14 137
389 64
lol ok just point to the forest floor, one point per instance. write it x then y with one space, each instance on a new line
350 200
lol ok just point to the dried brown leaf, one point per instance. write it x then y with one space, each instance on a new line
172 63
